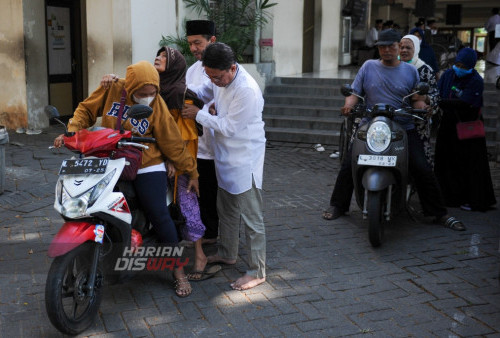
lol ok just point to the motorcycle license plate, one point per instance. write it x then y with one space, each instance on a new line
84 166
377 160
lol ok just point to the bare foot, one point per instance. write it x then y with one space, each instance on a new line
218 259
247 282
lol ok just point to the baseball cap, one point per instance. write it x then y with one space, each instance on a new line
388 37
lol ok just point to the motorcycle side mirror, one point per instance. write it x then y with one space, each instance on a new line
140 111
53 115
346 90
422 88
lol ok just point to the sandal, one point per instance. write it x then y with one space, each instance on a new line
451 223
332 213
182 287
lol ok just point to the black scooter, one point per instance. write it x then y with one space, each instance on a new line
380 161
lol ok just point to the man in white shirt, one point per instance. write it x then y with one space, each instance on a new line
201 33
490 26
372 35
239 147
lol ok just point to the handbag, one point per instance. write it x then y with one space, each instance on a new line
133 160
470 129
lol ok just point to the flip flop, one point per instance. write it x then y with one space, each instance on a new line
209 272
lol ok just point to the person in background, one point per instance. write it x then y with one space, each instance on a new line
432 26
462 166
200 34
142 85
239 147
372 35
426 53
409 49
490 27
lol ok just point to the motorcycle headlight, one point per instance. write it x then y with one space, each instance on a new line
74 207
378 136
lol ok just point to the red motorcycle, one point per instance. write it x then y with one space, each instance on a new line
102 224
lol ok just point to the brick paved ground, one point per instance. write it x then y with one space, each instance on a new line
324 278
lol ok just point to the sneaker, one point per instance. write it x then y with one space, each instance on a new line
319 147
334 155
466 207
31 131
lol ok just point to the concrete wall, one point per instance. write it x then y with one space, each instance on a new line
330 35
109 42
287 36
36 62
150 20
13 107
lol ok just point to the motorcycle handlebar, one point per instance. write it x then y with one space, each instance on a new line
142 139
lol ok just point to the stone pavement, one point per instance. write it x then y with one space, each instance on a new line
324 278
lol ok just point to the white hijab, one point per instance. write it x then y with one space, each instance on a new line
416 45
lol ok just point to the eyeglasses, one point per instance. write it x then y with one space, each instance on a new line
215 78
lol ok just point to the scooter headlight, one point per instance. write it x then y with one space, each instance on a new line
75 207
378 136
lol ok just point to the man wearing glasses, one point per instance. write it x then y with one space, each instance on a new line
239 147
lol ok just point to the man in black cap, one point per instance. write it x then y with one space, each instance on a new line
201 33
387 81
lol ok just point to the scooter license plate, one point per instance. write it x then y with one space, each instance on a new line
84 166
377 160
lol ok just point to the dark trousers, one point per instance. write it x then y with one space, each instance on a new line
208 197
426 183
151 189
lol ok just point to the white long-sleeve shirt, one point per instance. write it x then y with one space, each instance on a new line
195 77
239 136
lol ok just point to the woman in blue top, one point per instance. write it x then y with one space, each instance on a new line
462 166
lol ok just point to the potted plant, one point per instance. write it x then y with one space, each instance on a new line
235 22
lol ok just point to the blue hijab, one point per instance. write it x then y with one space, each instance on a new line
472 85
426 53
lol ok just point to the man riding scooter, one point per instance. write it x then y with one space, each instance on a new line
386 81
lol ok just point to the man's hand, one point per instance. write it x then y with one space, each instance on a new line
59 141
107 80
212 109
194 185
170 170
190 111
349 104
346 110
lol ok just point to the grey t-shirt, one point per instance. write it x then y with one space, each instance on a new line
386 85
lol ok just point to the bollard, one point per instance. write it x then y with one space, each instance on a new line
4 139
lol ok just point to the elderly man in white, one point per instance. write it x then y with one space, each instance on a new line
239 147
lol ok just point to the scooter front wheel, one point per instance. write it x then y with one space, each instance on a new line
375 208
69 305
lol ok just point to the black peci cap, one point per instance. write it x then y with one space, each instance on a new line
200 27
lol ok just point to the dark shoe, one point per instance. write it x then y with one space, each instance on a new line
207 273
451 223
332 213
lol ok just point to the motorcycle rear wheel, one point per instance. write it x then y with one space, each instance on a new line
67 301
375 210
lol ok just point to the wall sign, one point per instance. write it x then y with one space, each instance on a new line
59 40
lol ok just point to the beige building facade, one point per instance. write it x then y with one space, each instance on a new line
54 52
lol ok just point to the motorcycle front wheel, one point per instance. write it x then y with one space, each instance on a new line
375 210
69 306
